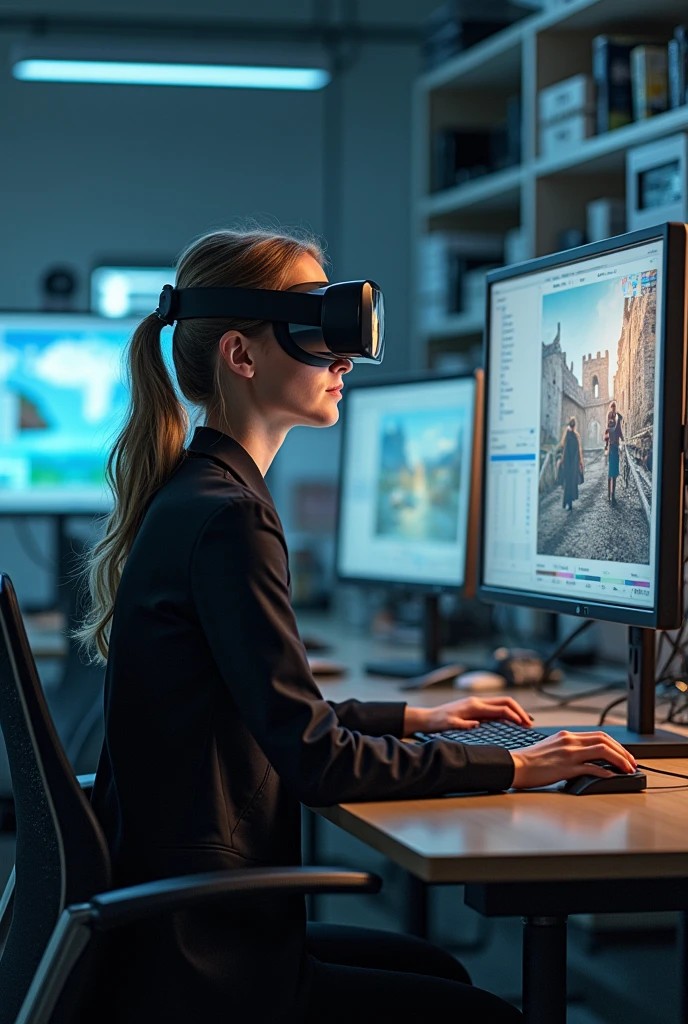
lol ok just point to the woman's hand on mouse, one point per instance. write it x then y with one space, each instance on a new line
565 755
465 714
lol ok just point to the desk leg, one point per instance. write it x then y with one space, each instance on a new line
417 907
683 967
544 970
309 833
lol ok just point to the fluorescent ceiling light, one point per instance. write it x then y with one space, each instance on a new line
220 76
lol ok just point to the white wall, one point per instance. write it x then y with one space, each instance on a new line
89 172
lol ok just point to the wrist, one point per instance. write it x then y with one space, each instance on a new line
519 765
416 720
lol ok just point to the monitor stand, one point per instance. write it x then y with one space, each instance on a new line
639 735
431 650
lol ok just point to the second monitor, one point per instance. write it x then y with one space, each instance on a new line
409 486
584 444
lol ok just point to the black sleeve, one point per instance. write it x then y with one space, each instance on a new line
376 718
239 585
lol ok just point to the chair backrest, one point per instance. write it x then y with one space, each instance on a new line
61 854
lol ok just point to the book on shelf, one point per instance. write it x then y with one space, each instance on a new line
456 25
677 58
649 81
460 155
445 260
611 70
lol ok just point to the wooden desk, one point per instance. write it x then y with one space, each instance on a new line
541 855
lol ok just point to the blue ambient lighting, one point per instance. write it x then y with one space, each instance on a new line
219 76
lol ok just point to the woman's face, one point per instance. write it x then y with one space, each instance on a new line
291 393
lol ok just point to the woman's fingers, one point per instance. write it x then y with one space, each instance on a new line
586 740
605 753
606 740
492 712
500 703
592 769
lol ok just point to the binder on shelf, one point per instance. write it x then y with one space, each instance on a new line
677 58
611 69
649 81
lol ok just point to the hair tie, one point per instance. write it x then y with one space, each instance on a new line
165 311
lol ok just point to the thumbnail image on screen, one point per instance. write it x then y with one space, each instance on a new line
596 422
405 492
420 474
62 399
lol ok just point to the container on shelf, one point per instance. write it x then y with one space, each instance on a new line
564 135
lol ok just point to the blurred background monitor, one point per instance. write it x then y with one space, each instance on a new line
119 291
62 400
407 492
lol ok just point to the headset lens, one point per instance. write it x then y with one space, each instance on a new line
377 322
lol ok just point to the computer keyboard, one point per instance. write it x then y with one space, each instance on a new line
498 734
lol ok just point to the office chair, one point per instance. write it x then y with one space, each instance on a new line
61 897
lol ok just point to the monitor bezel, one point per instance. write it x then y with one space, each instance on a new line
466 589
667 612
91 509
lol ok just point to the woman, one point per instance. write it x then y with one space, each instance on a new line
215 728
571 463
613 435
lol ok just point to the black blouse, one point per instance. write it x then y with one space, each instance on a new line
216 729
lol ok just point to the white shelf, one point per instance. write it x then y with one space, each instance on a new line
604 153
498 191
545 196
456 326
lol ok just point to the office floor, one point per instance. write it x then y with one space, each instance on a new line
615 977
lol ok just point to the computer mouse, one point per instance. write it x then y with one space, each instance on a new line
619 782
478 681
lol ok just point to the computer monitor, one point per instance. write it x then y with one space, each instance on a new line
62 400
409 481
121 291
584 439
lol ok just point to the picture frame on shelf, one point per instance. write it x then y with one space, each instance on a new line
657 182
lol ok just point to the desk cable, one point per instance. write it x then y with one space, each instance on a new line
662 771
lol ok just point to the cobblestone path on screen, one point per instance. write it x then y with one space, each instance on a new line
595 529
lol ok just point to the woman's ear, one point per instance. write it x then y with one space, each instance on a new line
235 350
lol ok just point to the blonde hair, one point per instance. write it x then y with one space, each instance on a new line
151 443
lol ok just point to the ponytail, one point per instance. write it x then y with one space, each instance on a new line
145 455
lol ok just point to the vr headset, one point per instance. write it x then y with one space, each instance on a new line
316 324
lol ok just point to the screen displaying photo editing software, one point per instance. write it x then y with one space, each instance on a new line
570 495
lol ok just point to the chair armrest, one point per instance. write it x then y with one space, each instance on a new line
86 783
120 907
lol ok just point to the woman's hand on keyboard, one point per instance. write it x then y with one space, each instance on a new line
465 714
566 755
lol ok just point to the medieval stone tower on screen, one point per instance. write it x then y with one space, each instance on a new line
596 396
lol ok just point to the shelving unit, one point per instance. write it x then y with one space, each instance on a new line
542 196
